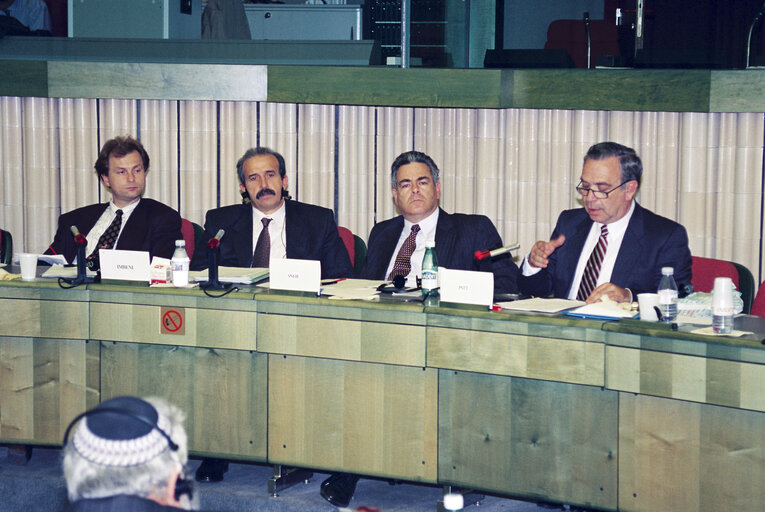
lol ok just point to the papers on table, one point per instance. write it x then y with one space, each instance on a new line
52 259
605 310
540 305
351 289
238 275
66 272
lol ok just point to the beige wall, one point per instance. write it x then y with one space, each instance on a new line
518 166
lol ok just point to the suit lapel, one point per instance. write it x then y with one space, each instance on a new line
575 245
135 228
242 236
445 237
296 236
388 241
630 249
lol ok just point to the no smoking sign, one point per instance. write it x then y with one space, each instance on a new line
172 321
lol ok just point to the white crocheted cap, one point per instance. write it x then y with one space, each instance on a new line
122 432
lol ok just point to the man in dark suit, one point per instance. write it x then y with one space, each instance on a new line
295 230
128 221
632 243
270 226
416 192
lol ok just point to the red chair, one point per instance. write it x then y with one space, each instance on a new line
571 35
758 306
350 244
192 233
705 270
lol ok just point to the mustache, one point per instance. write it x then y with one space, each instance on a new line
265 192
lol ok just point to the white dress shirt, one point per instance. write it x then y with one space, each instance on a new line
277 230
427 232
103 223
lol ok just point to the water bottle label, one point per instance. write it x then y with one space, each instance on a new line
429 279
667 296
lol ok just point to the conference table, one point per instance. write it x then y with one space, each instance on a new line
612 415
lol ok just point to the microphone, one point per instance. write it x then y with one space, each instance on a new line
214 242
751 29
399 282
79 238
586 16
479 255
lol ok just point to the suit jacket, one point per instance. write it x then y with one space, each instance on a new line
119 503
458 237
650 242
152 227
311 235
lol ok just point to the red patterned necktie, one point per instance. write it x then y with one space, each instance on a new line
592 269
261 257
109 237
403 264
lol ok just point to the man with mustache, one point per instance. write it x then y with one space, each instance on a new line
272 225
613 247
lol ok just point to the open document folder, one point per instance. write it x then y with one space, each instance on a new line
603 310
238 275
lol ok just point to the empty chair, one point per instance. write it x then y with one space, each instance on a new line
705 270
758 306
193 234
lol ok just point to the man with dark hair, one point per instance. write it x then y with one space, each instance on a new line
397 247
128 221
612 247
416 192
128 454
272 225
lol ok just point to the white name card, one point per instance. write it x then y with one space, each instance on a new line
125 265
466 286
297 275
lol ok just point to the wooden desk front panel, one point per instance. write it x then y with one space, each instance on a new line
222 392
44 383
685 456
375 419
333 338
203 327
529 438
685 377
516 355
32 317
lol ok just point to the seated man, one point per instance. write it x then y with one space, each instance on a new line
270 226
612 247
397 246
416 192
127 222
127 454
32 14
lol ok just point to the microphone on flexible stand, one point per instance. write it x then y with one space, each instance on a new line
586 17
82 274
479 255
751 29
213 253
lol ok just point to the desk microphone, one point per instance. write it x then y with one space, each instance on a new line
82 275
214 242
213 252
479 255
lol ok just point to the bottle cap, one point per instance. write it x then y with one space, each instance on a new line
180 243
453 501
667 271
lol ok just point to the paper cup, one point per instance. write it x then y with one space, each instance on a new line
647 303
28 263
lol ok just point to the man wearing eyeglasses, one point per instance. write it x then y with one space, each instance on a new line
613 247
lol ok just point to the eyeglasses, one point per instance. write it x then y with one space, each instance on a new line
598 194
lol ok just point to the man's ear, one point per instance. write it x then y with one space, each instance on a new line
105 180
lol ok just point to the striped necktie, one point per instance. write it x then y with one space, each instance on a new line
592 269
403 264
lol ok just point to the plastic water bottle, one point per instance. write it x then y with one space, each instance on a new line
453 502
430 274
180 264
667 295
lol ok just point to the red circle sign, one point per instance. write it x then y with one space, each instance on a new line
172 320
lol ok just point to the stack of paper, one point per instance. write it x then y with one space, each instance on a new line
238 275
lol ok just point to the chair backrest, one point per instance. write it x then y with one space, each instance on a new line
705 270
350 244
189 236
361 254
571 35
758 306
6 247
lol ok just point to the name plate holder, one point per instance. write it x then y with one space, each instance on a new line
466 287
125 265
295 275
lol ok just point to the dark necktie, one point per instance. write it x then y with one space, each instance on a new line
592 269
107 239
403 264
262 253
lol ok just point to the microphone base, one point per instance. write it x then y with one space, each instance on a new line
215 285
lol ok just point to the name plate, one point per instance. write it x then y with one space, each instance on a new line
296 275
466 286
125 265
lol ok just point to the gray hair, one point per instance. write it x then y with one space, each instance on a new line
412 157
87 480
257 152
629 162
